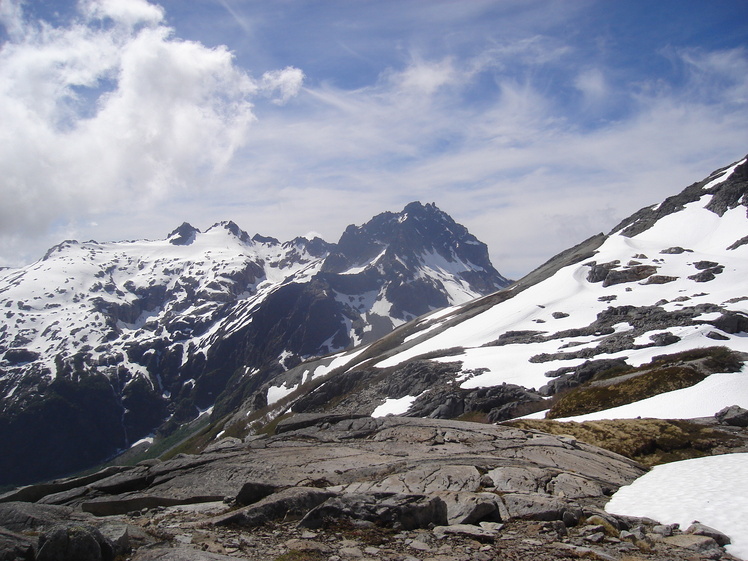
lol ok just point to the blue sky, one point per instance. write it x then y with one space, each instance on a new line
535 123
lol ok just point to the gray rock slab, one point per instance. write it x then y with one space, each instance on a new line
572 486
699 529
15 546
21 516
471 508
534 506
702 544
295 501
399 511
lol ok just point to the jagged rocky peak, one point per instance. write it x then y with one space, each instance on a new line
316 247
184 235
233 229
267 240
404 239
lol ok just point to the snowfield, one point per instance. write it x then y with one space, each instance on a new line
712 490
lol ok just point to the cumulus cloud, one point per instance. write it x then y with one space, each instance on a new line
113 109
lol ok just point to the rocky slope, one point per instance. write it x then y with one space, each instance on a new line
416 488
656 308
103 343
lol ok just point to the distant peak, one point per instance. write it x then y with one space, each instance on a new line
265 239
419 207
232 227
184 235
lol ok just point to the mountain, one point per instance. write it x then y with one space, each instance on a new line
650 318
104 343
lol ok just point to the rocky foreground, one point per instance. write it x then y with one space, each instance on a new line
335 488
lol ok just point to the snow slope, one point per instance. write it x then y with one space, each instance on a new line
711 490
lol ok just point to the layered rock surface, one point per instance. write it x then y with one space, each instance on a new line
463 480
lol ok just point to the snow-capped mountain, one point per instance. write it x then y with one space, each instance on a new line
101 343
640 303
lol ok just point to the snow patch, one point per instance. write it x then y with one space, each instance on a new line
394 406
712 490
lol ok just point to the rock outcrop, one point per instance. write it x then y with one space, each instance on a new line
427 485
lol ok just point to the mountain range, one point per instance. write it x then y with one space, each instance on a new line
388 395
639 319
103 344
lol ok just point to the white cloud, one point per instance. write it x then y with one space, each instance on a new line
286 82
592 84
100 116
128 12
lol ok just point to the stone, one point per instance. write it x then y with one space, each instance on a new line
470 508
296 501
139 502
251 492
699 529
664 530
516 479
179 553
15 547
702 544
74 543
119 536
398 511
733 415
225 443
308 545
534 506
573 486
22 516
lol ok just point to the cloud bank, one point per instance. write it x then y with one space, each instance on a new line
112 110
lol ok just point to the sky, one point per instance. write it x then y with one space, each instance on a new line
534 123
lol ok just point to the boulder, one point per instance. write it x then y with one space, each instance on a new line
534 506
734 415
295 501
699 529
74 543
406 512
15 547
701 544
25 517
471 508
252 491
485 533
